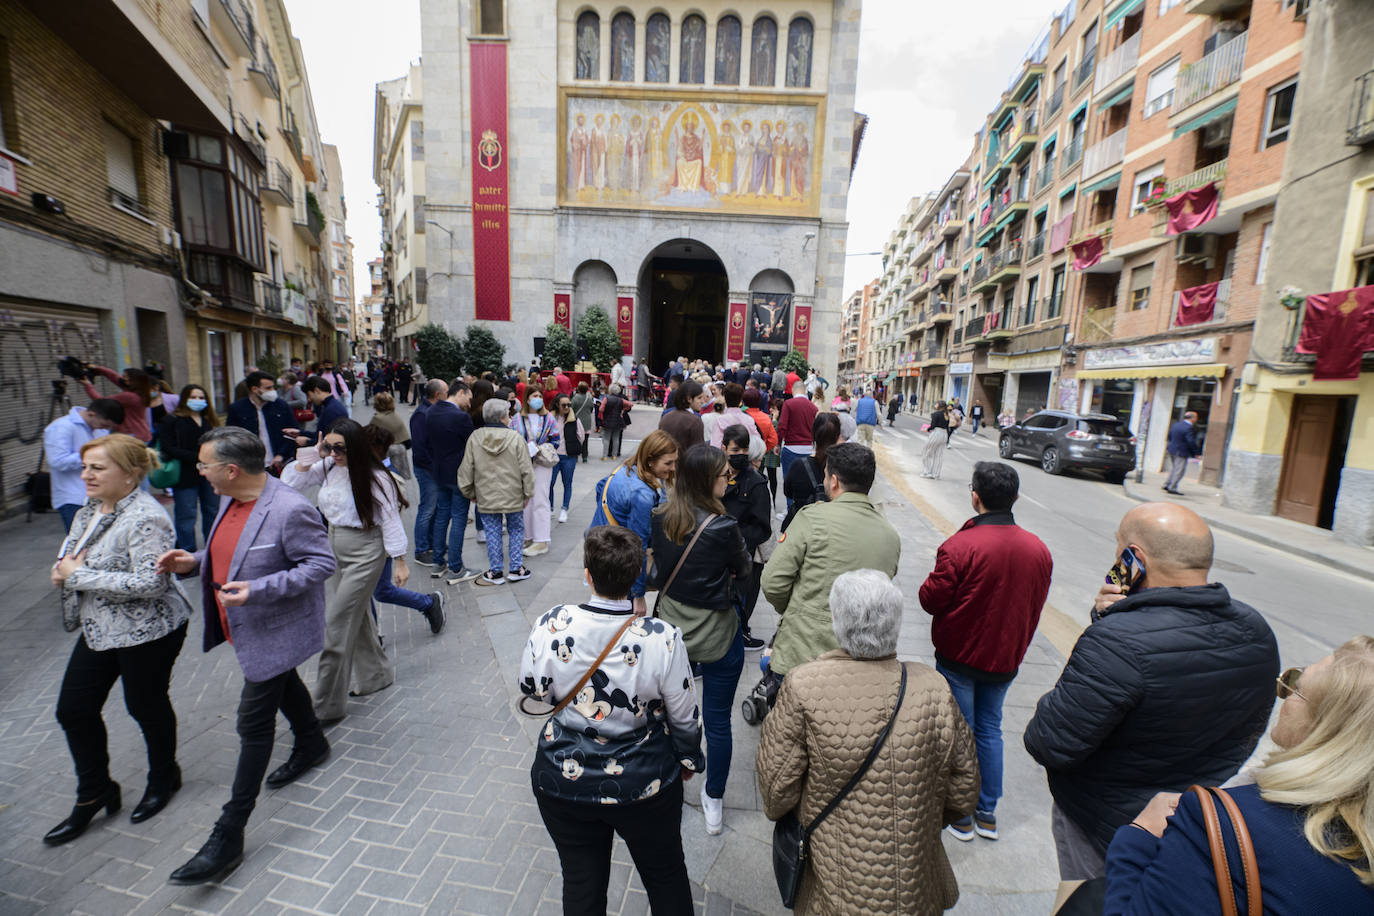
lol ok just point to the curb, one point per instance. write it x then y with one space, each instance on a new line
1269 541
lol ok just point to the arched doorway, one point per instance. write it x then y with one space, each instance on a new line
684 293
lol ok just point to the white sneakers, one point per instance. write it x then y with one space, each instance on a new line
714 811
536 549
562 516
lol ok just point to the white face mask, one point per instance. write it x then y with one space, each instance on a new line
268 396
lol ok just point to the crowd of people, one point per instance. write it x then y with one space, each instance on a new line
872 757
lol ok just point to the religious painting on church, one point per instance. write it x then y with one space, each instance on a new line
763 46
623 48
689 151
770 323
657 42
693 51
589 46
728 32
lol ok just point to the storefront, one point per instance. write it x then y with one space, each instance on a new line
960 380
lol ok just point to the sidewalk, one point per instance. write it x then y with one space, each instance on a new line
1306 541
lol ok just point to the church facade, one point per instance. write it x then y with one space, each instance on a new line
684 166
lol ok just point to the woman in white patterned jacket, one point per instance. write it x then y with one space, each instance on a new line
133 622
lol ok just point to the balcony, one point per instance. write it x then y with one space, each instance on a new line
1098 325
1105 154
1117 65
1029 312
1084 71
1035 247
269 296
997 326
236 22
1022 139
262 73
1045 177
981 274
1072 155
1360 129
1055 102
292 134
277 185
1006 265
1218 312
1214 172
1215 7
1197 82
940 312
972 331
250 139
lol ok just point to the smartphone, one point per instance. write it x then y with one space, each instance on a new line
1126 571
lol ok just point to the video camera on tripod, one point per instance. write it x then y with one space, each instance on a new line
72 367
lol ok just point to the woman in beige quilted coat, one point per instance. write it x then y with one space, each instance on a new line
879 851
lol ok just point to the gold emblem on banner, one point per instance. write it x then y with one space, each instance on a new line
803 323
624 314
562 311
1349 305
737 320
489 151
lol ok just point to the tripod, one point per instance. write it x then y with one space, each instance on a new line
39 484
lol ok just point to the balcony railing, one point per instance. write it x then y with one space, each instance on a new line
1055 102
277 182
1007 198
1028 312
1085 69
1360 130
1218 312
1010 256
250 139
1118 63
1035 247
1072 155
269 296
1208 173
263 72
1213 72
237 23
1045 177
981 272
1105 153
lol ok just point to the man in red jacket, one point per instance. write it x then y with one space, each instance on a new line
985 595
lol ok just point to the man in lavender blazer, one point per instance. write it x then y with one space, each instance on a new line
268 602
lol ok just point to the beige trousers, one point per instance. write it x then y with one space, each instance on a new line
866 434
351 648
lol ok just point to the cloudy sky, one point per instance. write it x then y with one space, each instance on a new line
928 73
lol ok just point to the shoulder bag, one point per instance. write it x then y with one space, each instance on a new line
790 838
1221 865
577 688
683 559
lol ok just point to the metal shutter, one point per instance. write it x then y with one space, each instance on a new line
32 340
119 160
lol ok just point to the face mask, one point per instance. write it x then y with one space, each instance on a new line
268 396
738 462
196 404
536 403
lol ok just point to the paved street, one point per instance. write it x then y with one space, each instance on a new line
425 805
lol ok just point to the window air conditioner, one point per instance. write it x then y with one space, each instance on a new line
1196 247
1218 133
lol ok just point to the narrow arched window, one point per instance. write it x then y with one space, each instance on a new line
799 36
623 47
692 53
658 42
728 32
589 46
763 50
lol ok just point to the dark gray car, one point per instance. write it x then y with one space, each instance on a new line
1059 440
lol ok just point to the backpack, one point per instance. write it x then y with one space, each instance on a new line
818 494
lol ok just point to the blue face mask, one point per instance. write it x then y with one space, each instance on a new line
536 403
196 404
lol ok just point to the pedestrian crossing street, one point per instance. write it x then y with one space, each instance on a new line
912 431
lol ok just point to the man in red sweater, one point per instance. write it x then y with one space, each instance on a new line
985 595
794 427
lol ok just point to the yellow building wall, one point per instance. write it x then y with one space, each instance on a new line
1262 418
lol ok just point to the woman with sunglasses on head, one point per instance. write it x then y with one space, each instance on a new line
179 439
538 427
572 444
1310 813
628 497
362 503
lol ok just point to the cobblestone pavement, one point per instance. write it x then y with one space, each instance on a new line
425 805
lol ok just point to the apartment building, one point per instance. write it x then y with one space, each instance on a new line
368 319
1303 442
341 290
850 315
398 168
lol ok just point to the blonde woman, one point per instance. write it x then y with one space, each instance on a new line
133 622
1310 814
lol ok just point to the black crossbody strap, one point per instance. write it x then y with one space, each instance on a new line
868 761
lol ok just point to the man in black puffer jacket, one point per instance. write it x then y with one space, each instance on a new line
1168 686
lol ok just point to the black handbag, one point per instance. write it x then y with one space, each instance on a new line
791 839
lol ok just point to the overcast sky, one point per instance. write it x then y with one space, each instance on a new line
928 74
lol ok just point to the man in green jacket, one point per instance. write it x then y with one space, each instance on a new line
825 540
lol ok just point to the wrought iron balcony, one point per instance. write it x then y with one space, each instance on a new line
277 185
1036 246
269 296
263 72
1214 72
1085 69
1045 177
1072 155
1056 102
236 21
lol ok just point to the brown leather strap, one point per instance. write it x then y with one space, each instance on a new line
1254 898
1217 844
682 559
572 694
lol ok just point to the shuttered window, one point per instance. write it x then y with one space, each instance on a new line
1141 280
120 164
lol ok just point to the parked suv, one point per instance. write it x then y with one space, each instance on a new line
1060 440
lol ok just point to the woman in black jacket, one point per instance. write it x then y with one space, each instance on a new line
700 600
804 483
748 501
179 438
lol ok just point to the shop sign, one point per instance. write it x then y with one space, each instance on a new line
1170 353
961 368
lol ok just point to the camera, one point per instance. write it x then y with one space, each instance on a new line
72 367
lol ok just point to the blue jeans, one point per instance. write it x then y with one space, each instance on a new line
424 513
184 513
718 682
981 704
68 513
450 524
564 469
387 592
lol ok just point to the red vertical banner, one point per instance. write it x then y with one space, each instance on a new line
737 330
490 208
562 309
625 323
801 329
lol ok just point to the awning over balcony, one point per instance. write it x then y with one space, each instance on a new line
1205 370
1116 98
1207 117
1110 181
1122 10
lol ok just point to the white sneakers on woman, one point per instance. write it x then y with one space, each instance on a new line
714 811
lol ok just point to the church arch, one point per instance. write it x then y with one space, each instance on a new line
763 50
623 47
683 303
771 280
588 44
728 39
594 283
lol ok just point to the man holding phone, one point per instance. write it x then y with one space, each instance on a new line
262 414
1171 684
328 411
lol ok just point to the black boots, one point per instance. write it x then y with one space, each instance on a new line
296 765
157 795
220 855
82 815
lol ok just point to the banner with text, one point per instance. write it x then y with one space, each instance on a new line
736 333
769 324
490 213
801 330
625 323
562 309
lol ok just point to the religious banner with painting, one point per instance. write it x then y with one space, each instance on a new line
769 323
562 309
801 330
1197 304
737 331
1192 208
1339 328
625 322
690 150
490 217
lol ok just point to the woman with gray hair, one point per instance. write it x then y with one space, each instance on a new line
829 715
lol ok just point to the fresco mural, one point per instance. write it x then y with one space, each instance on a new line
690 151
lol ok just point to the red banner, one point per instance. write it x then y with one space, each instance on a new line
737 331
1192 208
490 212
990 322
1339 328
1196 304
1060 233
801 329
562 309
1087 253
625 322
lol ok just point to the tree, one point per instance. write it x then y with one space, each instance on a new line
600 337
440 352
794 362
482 351
271 363
559 349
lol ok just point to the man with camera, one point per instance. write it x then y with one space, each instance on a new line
266 416
62 442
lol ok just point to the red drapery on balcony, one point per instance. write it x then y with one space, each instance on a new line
990 322
1338 327
1192 208
1060 232
1196 304
1087 253
985 216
